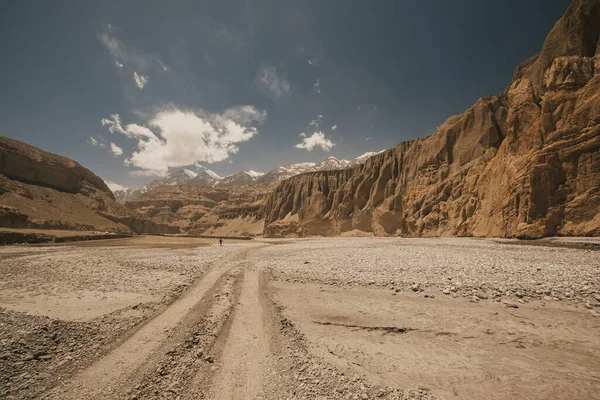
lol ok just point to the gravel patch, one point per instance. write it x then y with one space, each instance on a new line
478 268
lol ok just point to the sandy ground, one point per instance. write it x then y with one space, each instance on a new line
182 318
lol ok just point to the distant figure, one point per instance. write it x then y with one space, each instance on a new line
221 242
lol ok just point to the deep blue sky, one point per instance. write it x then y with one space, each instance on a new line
388 71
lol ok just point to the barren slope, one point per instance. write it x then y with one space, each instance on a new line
204 210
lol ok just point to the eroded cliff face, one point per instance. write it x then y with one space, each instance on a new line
204 210
525 163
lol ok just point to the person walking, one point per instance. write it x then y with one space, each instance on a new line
221 242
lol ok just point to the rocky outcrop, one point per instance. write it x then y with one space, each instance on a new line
525 163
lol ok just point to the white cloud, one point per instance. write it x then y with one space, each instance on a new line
317 139
114 124
116 150
140 80
113 186
316 122
245 115
334 127
175 138
317 86
97 141
276 84
123 55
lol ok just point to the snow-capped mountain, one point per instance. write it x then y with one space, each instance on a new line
331 163
286 171
362 158
241 178
181 177
206 177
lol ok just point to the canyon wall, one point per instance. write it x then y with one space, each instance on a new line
525 163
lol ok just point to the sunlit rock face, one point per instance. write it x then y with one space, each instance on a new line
525 163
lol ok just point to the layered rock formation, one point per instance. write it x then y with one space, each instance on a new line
525 163
204 210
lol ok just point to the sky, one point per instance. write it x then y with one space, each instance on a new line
135 89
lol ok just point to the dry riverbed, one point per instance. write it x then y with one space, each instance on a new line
181 318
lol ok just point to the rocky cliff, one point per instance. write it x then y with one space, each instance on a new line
525 163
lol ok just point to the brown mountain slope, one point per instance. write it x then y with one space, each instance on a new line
525 163
47 191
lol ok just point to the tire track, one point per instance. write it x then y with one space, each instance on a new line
244 359
114 374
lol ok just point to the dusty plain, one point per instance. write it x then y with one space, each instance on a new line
322 318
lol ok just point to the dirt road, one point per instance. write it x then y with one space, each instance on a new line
285 320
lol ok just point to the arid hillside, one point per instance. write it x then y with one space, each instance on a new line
524 163
204 210
41 190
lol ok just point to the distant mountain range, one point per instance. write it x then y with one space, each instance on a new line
205 177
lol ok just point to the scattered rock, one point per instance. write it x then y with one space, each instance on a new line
509 304
482 295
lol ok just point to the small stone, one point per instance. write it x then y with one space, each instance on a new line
588 305
45 357
199 354
446 291
27 357
210 360
509 304
415 287
482 295
597 296
547 298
